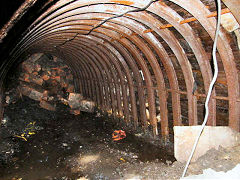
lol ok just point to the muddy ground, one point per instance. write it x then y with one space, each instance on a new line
41 144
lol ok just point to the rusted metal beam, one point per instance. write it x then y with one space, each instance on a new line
199 11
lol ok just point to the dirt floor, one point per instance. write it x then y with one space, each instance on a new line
40 144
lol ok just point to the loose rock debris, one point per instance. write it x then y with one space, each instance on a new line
46 79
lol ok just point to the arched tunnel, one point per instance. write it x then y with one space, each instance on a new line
147 63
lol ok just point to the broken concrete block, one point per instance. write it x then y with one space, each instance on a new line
87 106
229 22
28 67
38 67
33 58
32 91
36 79
48 106
70 88
35 95
74 100
12 96
24 77
212 137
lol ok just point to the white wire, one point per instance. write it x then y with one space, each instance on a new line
210 87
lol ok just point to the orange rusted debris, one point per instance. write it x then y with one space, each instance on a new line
45 77
26 77
55 68
123 2
118 135
75 112
63 84
36 79
57 78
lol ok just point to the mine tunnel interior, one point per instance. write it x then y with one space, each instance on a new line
87 79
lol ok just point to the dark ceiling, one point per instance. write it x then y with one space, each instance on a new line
7 9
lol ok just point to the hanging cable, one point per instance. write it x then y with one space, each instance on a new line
210 87
120 15
108 19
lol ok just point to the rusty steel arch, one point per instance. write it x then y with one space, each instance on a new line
107 62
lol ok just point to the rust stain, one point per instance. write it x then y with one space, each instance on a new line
112 40
222 78
109 11
162 3
134 34
128 14
123 2
121 36
97 18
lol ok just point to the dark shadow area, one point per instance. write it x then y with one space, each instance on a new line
7 9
